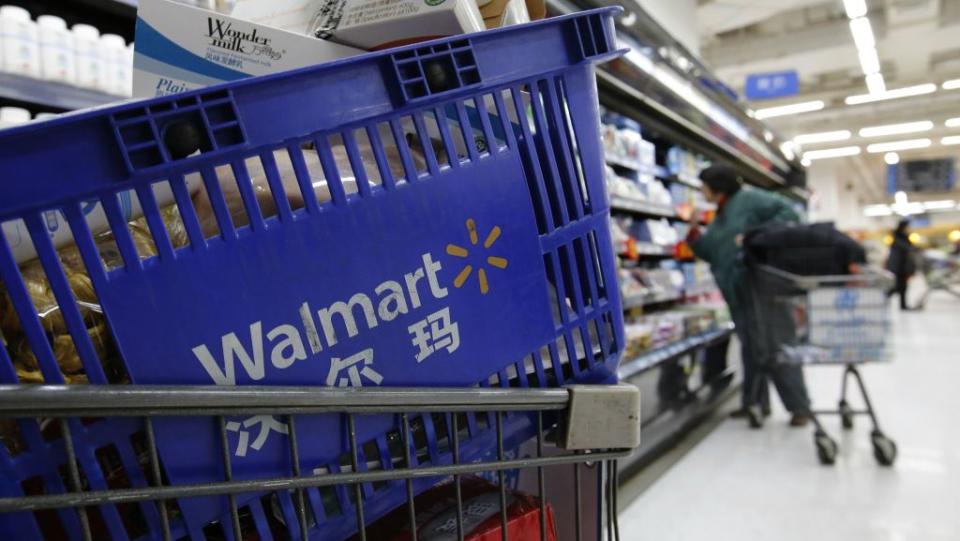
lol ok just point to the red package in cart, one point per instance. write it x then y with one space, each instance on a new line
437 515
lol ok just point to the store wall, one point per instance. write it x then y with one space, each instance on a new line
678 18
838 196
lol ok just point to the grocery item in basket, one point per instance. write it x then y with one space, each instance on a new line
437 515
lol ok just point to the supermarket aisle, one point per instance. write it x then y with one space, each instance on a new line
749 485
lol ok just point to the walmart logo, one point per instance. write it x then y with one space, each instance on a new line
491 260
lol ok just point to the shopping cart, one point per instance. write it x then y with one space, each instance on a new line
429 216
585 427
822 320
941 272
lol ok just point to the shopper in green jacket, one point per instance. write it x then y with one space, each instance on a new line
740 209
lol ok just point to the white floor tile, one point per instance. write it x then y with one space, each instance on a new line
746 485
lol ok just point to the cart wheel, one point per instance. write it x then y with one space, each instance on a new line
826 448
846 415
884 449
755 417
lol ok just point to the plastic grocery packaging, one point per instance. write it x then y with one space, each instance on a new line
13 116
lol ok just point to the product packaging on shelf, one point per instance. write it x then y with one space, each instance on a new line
20 47
89 63
367 24
437 515
181 48
13 116
57 55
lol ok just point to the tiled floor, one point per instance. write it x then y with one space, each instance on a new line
745 485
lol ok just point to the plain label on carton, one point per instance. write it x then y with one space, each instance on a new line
181 48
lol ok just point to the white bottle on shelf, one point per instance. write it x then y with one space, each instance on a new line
21 52
127 90
13 116
86 43
113 52
44 116
57 56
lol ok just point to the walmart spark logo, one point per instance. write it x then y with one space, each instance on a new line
493 261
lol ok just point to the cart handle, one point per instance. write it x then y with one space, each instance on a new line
869 276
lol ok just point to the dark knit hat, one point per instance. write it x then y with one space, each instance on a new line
721 179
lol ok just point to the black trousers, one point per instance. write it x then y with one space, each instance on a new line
900 288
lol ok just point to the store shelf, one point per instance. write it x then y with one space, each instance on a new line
651 249
50 95
700 289
652 358
612 159
641 207
647 300
685 180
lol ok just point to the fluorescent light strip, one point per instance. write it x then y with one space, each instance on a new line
869 61
945 204
855 8
952 122
952 84
896 129
822 137
875 84
838 152
907 144
877 210
862 33
904 92
792 109
950 140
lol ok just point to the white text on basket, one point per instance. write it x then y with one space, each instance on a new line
285 342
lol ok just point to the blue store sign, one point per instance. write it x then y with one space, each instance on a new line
778 84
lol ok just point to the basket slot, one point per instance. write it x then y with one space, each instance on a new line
156 228
426 144
185 208
570 176
120 469
330 172
544 143
448 155
59 524
345 169
273 163
27 314
92 478
532 164
380 155
261 519
302 173
170 218
506 124
256 207
573 144
467 132
400 140
490 142
65 301
356 162
121 235
217 202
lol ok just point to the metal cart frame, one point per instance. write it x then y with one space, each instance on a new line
591 426
774 293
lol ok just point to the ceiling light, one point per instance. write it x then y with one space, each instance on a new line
952 84
855 8
838 152
875 84
950 140
891 158
869 61
952 122
786 148
767 136
822 137
877 210
900 197
904 92
862 33
896 129
945 204
792 109
629 19
806 162
894 146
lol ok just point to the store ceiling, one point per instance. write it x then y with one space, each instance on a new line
917 41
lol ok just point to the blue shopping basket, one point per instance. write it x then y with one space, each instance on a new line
471 247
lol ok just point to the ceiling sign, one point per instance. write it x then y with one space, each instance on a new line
777 84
